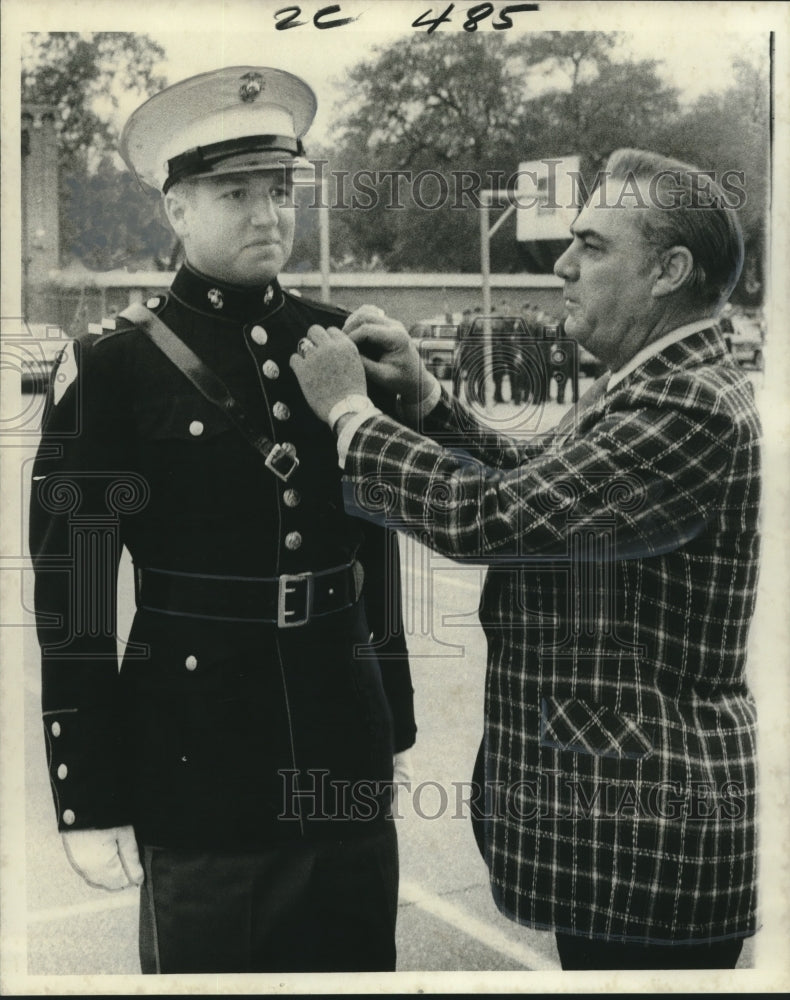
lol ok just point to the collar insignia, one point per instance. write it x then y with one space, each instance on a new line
268 295
214 296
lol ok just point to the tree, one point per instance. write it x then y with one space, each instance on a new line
76 74
443 103
108 222
483 104
105 219
622 106
453 99
730 132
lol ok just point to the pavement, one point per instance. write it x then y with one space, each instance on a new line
447 920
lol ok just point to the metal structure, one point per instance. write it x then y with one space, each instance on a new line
486 232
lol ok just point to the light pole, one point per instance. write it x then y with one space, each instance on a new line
323 237
486 232
306 175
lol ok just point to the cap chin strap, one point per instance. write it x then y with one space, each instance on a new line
202 159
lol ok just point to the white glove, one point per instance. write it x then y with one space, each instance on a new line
403 770
106 859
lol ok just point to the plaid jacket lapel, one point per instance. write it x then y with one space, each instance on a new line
578 414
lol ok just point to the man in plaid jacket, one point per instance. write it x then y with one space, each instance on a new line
617 773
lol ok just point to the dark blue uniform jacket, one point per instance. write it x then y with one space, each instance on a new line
215 732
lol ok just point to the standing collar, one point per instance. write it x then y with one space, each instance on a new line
223 300
656 346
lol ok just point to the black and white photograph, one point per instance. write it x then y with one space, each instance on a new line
394 496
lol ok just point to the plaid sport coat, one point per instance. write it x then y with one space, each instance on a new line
619 751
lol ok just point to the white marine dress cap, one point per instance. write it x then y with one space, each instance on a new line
231 120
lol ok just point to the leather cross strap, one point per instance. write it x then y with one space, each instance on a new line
281 462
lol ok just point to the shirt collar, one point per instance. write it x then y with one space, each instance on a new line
223 300
655 347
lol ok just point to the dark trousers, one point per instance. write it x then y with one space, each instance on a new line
305 907
585 953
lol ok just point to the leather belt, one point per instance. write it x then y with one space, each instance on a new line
287 601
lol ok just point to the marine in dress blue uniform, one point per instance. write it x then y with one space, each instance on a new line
245 747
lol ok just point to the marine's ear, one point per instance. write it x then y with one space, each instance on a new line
177 203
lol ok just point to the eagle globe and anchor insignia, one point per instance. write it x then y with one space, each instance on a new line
251 85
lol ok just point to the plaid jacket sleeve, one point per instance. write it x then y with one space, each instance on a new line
650 457
452 425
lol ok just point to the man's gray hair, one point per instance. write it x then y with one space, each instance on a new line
696 216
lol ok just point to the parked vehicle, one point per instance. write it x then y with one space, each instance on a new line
36 355
437 344
744 338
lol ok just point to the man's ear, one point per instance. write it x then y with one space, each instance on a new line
677 263
176 209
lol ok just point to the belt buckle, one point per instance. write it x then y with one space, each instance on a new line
287 586
281 462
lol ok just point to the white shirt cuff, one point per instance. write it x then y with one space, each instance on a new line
350 428
413 411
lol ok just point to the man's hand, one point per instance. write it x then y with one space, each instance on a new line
328 369
389 354
106 859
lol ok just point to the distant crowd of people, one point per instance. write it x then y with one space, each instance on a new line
530 351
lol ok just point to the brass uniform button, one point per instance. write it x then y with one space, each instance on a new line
293 541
